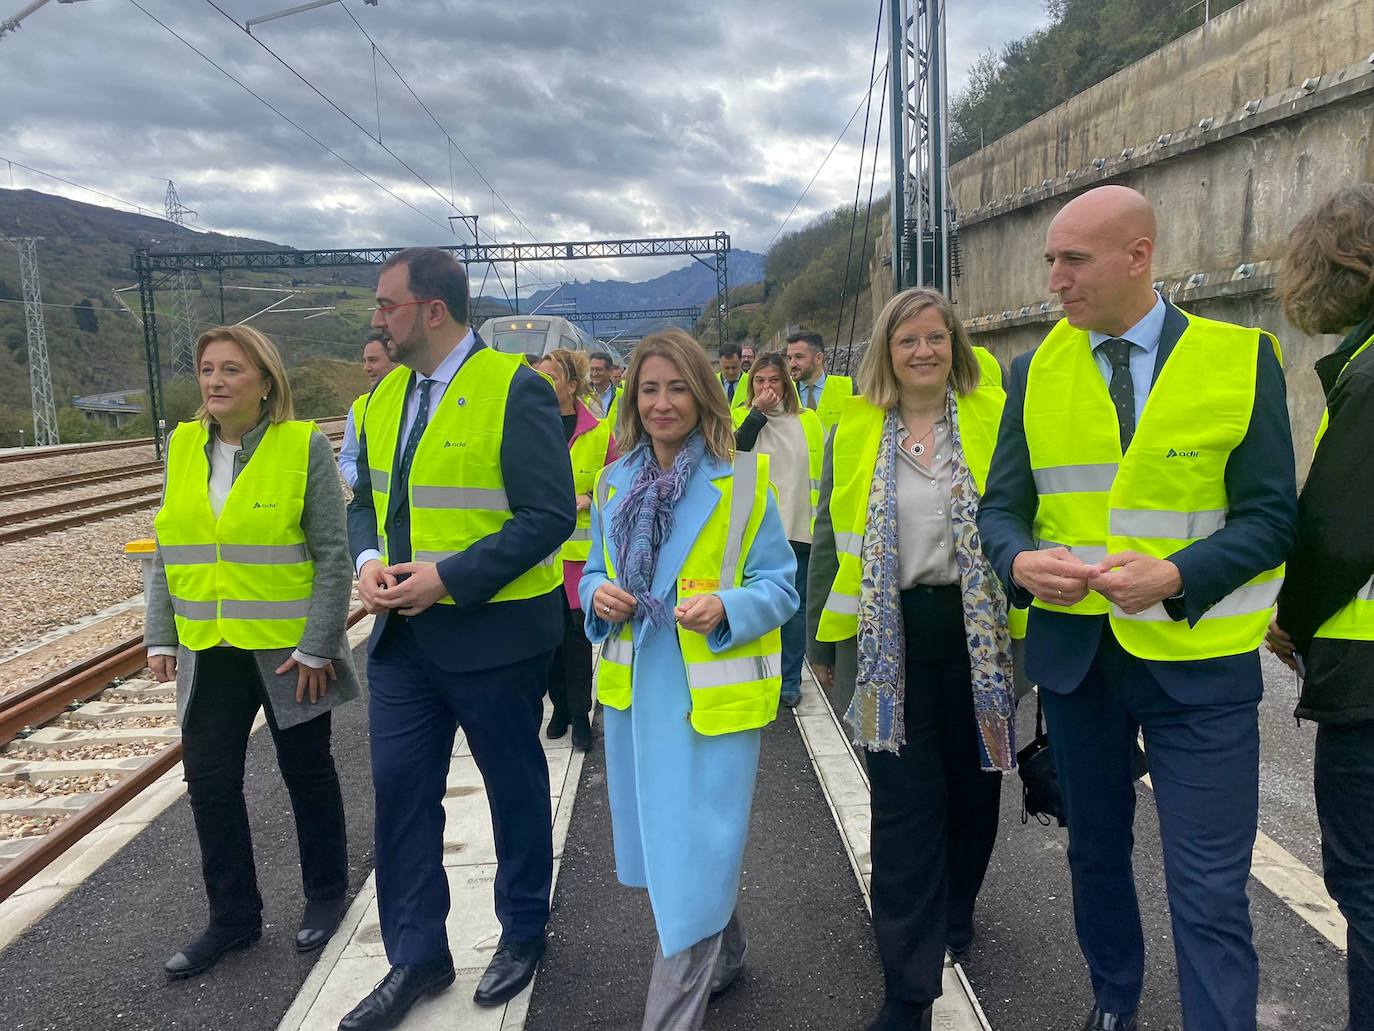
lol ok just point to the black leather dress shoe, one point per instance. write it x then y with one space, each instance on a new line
899 1015
582 735
509 971
401 989
1101 1020
319 923
208 949
558 726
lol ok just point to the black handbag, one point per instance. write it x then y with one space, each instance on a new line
1041 796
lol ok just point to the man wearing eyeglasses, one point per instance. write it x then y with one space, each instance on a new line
463 499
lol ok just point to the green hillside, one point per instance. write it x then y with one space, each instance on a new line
94 345
805 281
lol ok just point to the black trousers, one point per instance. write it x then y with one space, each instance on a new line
228 693
1344 776
935 809
570 676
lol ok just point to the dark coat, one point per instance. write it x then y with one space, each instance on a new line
1334 557
1259 531
471 635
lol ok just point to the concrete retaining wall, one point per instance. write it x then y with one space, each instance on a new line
1232 131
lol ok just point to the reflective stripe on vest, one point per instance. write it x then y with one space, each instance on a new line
456 489
815 453
736 689
587 453
1165 493
1353 621
854 460
246 576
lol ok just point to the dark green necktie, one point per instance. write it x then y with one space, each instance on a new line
1121 388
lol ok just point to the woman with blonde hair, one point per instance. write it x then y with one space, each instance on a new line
590 448
909 624
1324 628
247 609
688 581
773 422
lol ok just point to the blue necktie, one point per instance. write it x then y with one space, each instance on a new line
417 429
1121 388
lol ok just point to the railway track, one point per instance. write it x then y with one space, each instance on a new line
61 515
52 483
95 447
100 713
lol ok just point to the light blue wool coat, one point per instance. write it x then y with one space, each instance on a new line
680 800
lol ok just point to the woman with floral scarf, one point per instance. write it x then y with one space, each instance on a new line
689 579
908 629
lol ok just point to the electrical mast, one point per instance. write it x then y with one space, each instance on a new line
922 214
182 313
40 379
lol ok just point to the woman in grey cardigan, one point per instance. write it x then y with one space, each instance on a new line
247 608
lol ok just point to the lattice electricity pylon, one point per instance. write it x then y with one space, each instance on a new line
181 312
40 378
922 214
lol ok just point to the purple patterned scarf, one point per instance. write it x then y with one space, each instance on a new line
644 519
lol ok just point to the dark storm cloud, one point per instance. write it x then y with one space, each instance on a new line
614 117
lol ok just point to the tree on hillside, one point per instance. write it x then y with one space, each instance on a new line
84 313
1085 42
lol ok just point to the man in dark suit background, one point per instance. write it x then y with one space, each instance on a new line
1191 607
467 621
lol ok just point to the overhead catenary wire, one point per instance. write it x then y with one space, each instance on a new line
285 117
824 161
143 209
328 100
868 219
433 118
859 179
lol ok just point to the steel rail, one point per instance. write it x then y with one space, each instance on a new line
79 682
60 508
69 480
16 873
96 446
23 533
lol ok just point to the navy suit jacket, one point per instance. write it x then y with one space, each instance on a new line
471 635
1261 525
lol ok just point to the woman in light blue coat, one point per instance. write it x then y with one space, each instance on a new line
680 799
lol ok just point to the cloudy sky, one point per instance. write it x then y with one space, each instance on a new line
602 118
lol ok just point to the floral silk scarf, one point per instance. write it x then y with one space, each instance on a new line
876 712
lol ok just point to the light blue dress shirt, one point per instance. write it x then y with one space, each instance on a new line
348 454
441 378
804 390
1144 338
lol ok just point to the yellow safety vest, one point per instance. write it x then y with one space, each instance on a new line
1354 621
988 365
1167 491
457 491
615 408
854 462
246 576
741 398
588 456
815 450
359 409
837 390
733 690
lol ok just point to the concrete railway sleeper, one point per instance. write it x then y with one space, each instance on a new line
127 724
